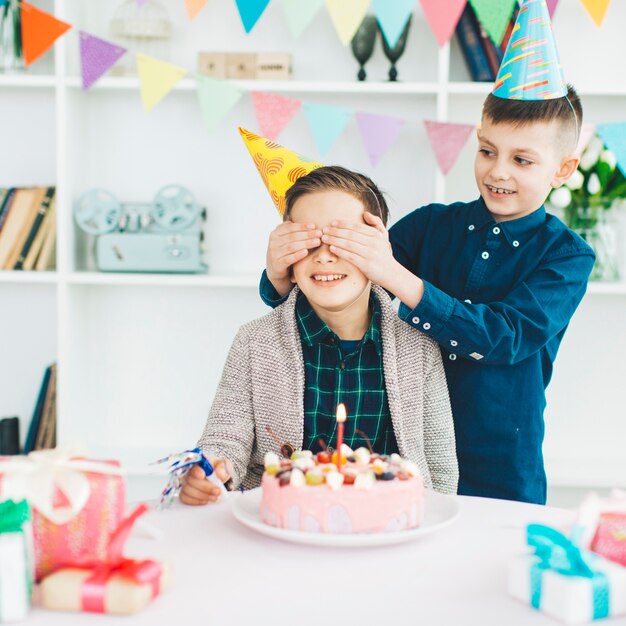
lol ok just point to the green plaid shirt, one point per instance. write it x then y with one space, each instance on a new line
349 372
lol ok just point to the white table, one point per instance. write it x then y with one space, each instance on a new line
226 574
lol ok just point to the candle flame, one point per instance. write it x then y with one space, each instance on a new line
341 412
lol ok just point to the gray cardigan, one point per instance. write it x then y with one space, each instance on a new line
263 383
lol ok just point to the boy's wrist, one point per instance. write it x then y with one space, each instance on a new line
405 286
281 284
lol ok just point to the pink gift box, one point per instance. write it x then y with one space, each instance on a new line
610 538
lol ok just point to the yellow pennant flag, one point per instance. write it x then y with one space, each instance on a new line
347 16
597 9
157 79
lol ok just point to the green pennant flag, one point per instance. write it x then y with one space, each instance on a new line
217 98
494 15
299 14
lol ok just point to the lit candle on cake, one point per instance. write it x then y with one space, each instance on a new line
341 418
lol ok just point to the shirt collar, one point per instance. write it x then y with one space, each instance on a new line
313 330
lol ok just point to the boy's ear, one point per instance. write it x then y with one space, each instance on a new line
568 167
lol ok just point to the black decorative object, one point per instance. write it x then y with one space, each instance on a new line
393 54
363 42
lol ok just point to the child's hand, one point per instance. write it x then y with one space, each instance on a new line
288 243
198 490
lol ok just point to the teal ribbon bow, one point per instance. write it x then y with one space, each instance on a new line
558 553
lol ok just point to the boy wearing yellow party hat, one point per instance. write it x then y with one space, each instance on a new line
495 281
335 339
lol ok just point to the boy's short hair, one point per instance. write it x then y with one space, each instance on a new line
522 112
337 178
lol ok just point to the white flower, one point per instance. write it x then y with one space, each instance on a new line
606 156
589 159
560 198
576 180
593 184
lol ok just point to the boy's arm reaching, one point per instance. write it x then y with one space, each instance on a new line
229 430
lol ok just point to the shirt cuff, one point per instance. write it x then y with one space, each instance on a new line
268 293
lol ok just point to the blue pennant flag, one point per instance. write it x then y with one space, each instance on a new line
250 11
326 124
392 16
614 137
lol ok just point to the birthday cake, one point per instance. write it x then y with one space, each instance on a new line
371 494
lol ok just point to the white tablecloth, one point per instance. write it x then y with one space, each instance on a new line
226 574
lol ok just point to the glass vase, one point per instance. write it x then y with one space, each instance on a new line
11 58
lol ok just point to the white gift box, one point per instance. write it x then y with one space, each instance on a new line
16 576
570 599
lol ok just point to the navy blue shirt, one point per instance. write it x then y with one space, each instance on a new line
497 299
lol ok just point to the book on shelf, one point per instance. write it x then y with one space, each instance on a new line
44 231
9 435
5 203
44 207
470 40
42 429
46 260
18 214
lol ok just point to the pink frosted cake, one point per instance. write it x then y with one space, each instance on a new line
371 494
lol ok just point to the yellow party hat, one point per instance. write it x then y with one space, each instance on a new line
279 167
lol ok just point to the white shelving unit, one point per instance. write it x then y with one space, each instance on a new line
140 355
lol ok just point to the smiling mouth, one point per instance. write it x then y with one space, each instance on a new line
327 278
499 190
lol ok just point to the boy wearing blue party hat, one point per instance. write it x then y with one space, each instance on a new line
495 281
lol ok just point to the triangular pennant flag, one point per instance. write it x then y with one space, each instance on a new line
217 98
597 9
96 57
39 31
614 138
273 112
494 15
140 3
194 7
279 167
347 16
299 14
378 132
443 18
326 123
392 15
250 11
157 78
552 6
587 131
447 140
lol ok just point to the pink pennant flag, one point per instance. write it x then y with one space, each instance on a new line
447 140
140 3
443 17
587 131
96 57
552 6
194 7
378 132
273 112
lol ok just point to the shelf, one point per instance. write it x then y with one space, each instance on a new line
607 288
601 473
165 280
27 81
28 278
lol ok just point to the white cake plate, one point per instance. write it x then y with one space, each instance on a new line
439 511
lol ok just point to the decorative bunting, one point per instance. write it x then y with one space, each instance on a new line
392 16
586 133
614 138
157 78
447 140
443 18
552 6
39 31
217 98
96 57
378 132
300 13
326 123
250 11
194 7
494 15
597 9
140 3
347 16
273 112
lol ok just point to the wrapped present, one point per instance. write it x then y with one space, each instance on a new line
77 503
16 560
115 585
565 581
610 537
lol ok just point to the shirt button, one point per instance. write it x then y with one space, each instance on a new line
452 357
470 227
485 255
516 244
468 301
342 365
416 320
426 326
496 230
454 343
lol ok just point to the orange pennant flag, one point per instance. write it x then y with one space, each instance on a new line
597 9
39 32
194 7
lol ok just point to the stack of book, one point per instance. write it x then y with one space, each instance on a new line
43 425
482 55
27 228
